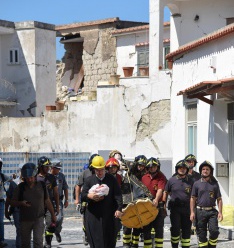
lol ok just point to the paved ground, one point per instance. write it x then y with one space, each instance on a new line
72 236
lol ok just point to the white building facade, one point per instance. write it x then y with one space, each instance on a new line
27 68
202 84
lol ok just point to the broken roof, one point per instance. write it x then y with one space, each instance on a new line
136 29
74 27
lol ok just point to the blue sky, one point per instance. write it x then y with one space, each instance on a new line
64 12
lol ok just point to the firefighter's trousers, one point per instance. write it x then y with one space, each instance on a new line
180 226
207 219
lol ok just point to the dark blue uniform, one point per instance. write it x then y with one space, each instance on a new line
179 190
195 176
206 193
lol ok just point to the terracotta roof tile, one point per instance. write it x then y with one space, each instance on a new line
142 44
132 29
208 38
137 28
147 43
204 83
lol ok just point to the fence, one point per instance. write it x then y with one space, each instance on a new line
73 163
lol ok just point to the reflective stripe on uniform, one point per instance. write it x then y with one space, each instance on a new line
185 242
148 243
213 241
127 238
201 244
135 240
175 240
48 233
158 242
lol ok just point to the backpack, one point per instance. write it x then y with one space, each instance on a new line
22 188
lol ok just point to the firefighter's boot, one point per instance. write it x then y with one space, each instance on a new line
48 240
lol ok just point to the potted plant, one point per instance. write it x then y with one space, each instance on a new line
144 71
170 64
128 71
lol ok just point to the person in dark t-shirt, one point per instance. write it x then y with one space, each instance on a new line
192 161
205 194
179 188
43 175
32 197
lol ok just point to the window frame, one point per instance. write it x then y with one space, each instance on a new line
142 50
189 124
14 56
166 50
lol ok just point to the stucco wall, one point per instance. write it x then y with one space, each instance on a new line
34 76
127 52
45 69
212 130
111 122
212 15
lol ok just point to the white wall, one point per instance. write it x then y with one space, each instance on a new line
45 68
34 76
212 140
212 16
109 123
126 51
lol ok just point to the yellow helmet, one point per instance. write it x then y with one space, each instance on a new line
98 162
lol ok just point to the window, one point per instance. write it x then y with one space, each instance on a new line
14 56
192 128
166 50
142 57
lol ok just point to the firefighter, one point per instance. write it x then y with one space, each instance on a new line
116 154
192 161
131 235
112 167
138 169
43 175
155 181
63 195
179 188
205 193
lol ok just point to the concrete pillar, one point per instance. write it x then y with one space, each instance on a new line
156 38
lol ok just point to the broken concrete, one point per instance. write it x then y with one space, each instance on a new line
153 118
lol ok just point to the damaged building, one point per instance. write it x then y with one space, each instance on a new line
90 52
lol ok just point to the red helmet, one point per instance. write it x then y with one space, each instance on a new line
112 162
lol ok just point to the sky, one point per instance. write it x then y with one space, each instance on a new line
70 11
